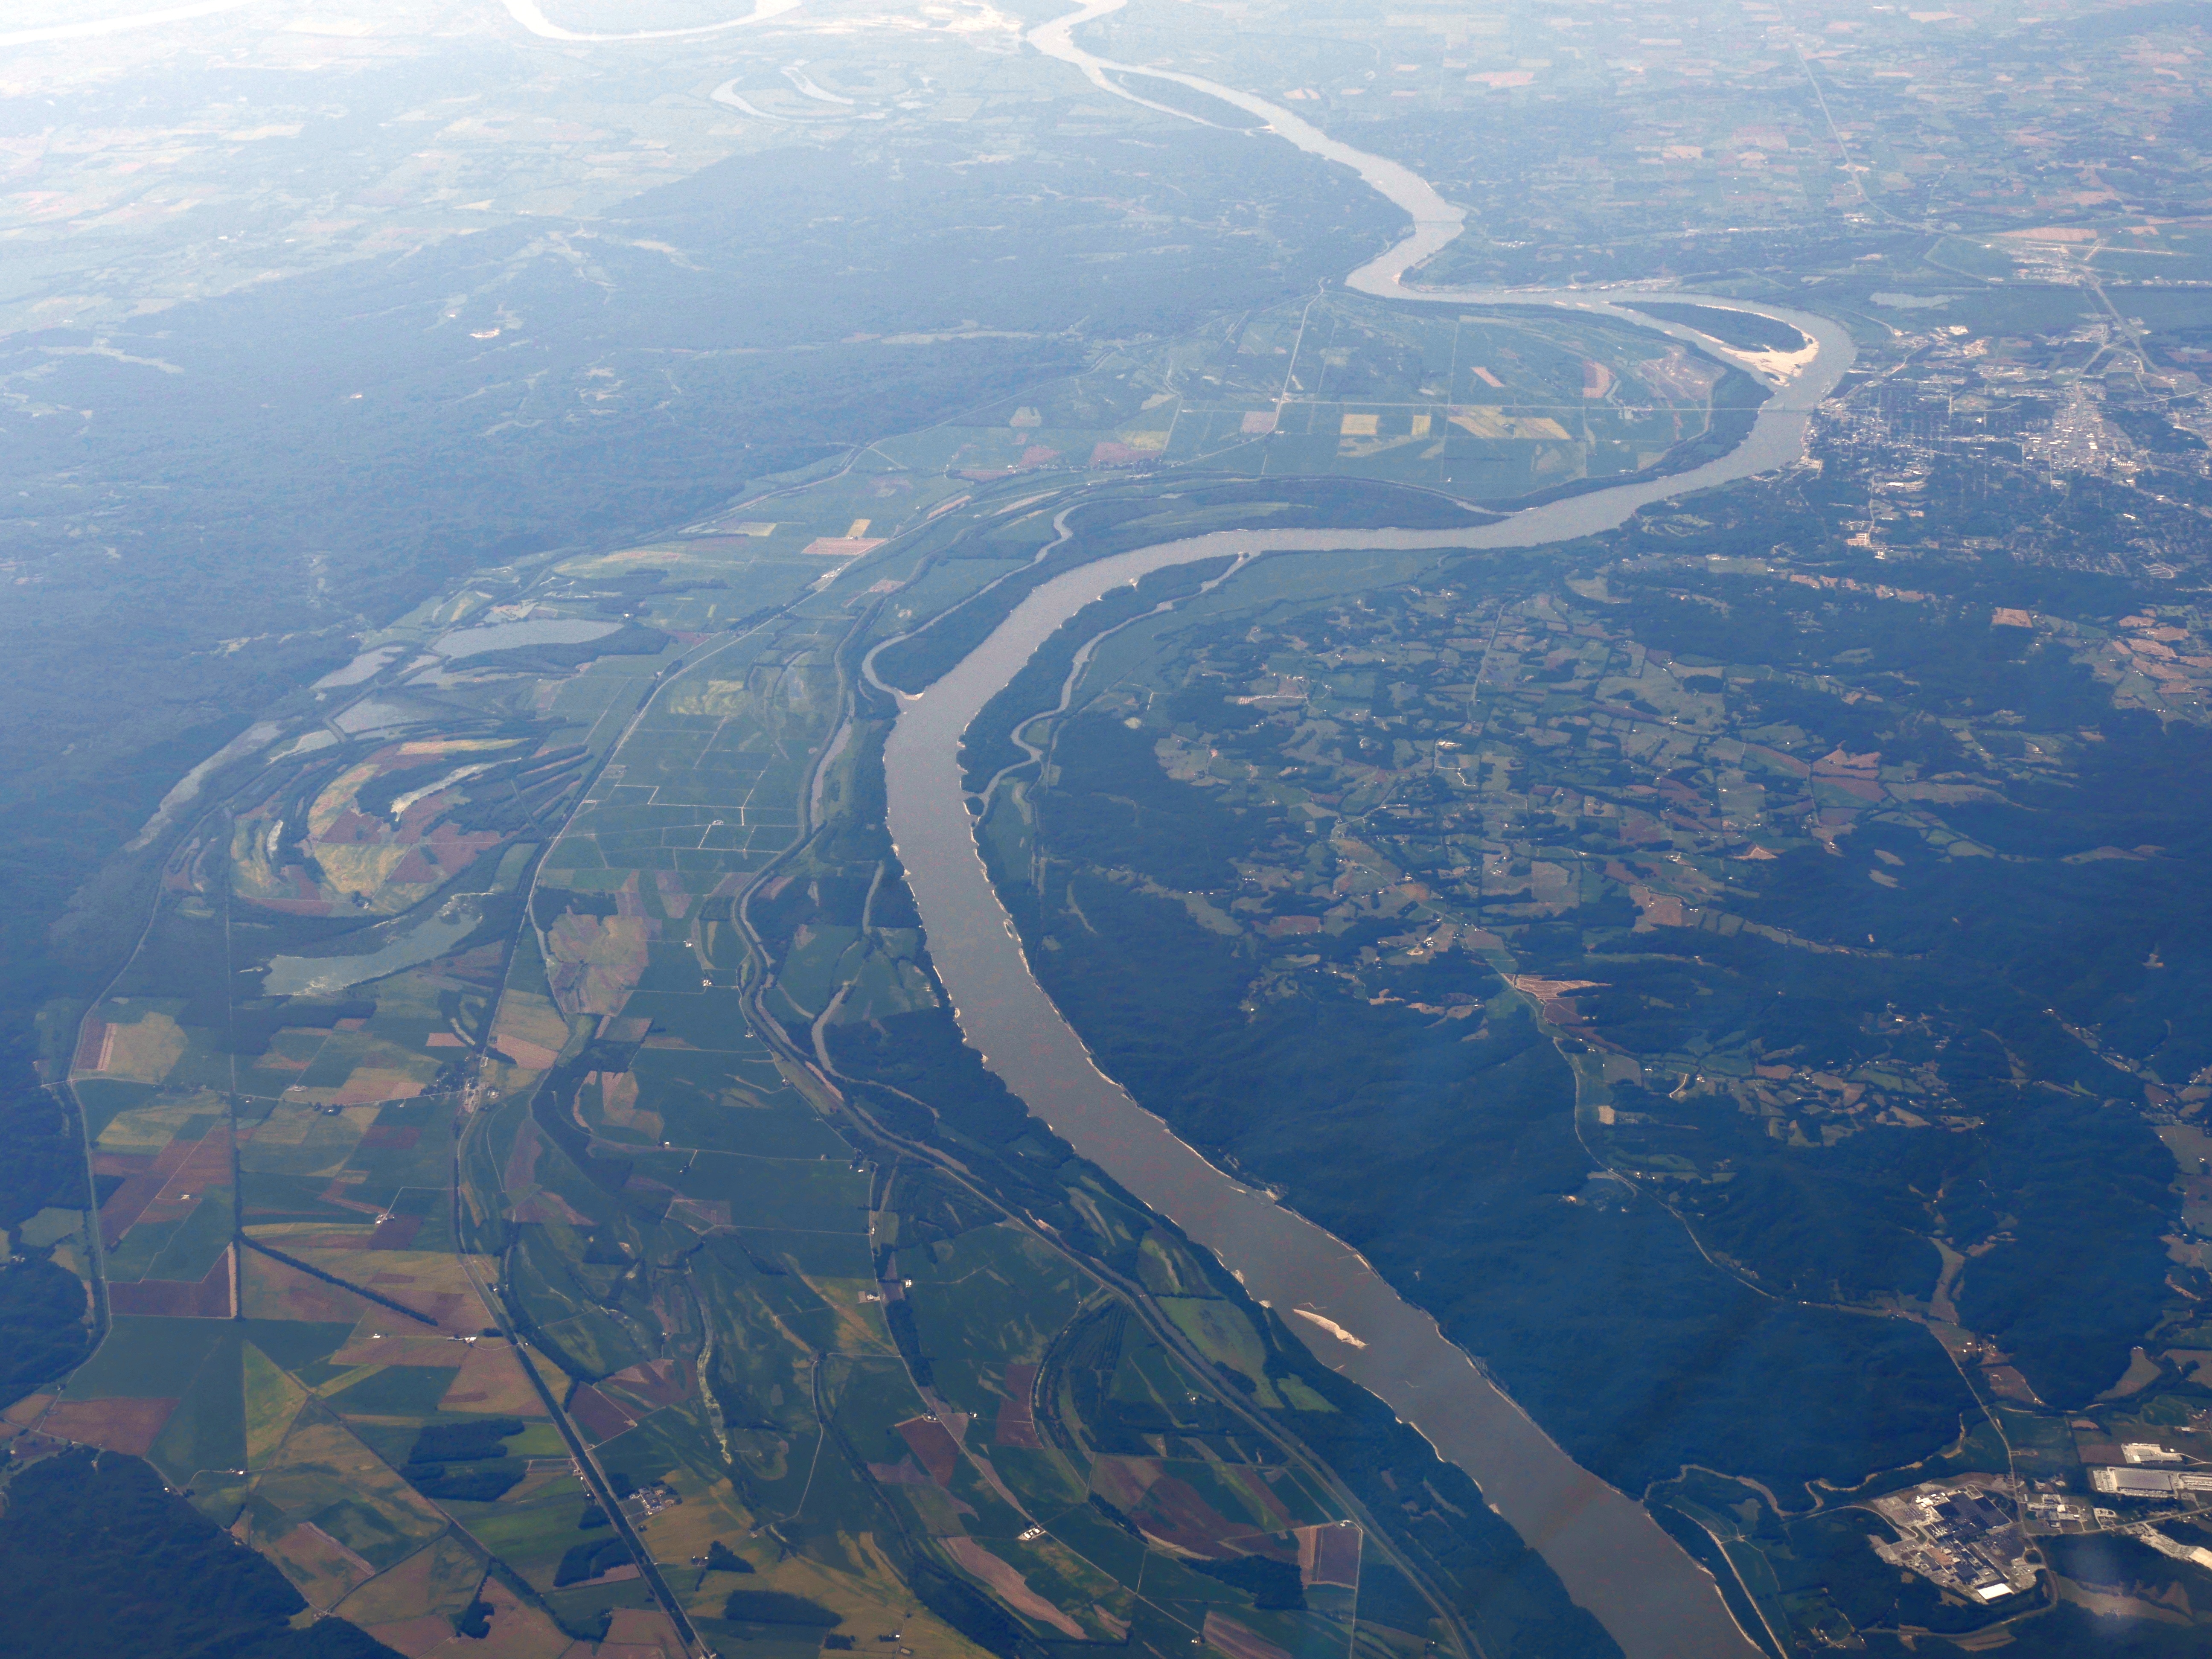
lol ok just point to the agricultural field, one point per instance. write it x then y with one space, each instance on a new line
301 1333
1481 406
810 1351
470 1237
468 1244
488 1154
540 1190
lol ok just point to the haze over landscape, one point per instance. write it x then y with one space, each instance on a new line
951 828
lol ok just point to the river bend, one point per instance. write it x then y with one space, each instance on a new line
1612 1556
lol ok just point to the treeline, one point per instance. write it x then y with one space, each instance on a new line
44 1332
989 743
103 1559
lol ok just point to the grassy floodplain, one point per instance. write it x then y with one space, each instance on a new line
475 1245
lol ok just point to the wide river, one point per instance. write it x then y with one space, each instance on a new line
1614 1560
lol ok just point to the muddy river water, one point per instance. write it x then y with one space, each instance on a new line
1613 1557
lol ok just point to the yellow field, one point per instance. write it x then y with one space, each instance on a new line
336 797
491 1381
530 1029
321 1568
431 1586
518 1631
1485 422
872 1599
272 1400
612 951
147 1129
860 1328
145 1050
662 557
1226 1337
726 699
618 1103
430 1282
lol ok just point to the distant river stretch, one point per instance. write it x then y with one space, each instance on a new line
1613 1557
